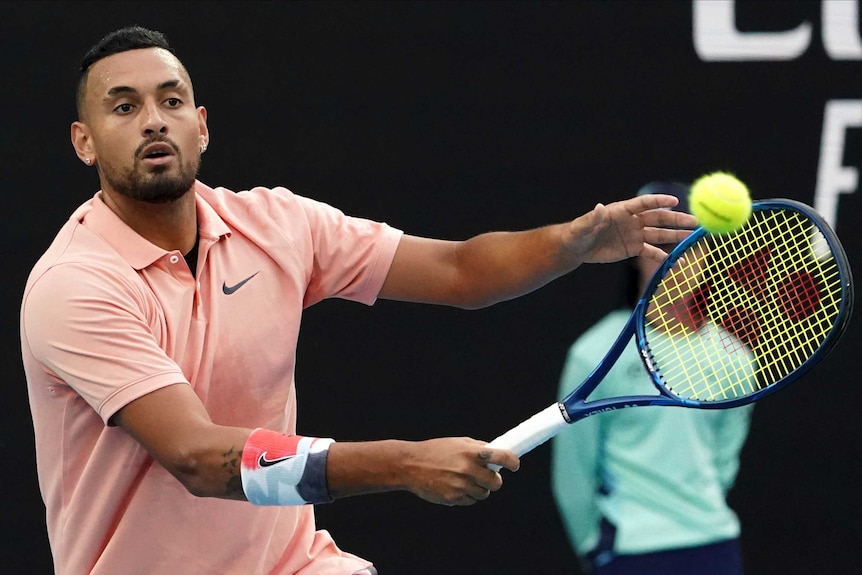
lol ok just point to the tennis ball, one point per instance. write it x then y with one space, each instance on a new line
720 202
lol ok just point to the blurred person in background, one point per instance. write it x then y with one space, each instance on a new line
644 491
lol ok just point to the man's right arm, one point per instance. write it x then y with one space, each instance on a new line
175 428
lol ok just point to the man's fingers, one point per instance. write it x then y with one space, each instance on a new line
652 202
668 219
653 253
499 457
664 236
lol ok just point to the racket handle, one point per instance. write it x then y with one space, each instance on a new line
532 432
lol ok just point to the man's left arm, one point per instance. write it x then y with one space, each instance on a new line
499 266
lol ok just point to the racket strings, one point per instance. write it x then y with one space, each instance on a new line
797 296
738 312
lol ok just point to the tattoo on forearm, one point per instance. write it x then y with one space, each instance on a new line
231 464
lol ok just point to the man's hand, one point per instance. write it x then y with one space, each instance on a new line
628 228
454 471
447 471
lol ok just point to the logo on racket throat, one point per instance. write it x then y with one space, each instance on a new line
648 361
608 408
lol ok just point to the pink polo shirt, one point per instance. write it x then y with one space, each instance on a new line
108 317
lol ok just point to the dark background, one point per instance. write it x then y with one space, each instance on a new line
450 119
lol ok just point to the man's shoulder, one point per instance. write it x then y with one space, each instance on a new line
271 206
260 201
77 250
256 194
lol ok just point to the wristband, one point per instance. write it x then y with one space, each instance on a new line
282 469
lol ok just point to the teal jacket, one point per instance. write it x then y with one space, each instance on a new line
659 474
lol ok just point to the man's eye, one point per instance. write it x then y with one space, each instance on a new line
123 108
173 102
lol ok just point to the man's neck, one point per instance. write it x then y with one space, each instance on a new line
171 226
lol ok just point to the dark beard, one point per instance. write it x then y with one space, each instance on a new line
158 188
155 187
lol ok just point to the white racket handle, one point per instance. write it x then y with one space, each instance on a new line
532 432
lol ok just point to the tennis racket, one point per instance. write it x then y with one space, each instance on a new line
725 320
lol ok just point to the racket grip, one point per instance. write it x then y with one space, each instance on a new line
532 432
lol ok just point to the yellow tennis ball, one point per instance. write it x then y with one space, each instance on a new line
720 202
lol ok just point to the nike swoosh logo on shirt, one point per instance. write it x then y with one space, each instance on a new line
230 289
262 461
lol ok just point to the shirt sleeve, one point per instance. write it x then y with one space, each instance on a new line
104 346
351 256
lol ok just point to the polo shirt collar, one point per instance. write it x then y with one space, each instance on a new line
134 248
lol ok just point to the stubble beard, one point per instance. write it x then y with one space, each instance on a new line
157 185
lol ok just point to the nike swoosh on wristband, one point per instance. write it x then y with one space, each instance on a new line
262 461
230 289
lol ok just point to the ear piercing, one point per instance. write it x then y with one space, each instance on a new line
87 161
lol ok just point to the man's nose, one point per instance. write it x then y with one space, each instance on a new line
153 121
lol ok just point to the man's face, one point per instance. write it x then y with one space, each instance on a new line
141 124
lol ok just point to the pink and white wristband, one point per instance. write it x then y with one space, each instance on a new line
282 469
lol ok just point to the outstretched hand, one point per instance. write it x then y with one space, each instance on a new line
629 228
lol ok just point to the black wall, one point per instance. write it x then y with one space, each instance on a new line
450 119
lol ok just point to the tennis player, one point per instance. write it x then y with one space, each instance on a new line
159 337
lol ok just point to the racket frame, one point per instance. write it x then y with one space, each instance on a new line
551 420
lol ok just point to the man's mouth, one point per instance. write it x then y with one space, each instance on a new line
157 153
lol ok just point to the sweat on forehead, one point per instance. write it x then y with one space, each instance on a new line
138 70
122 40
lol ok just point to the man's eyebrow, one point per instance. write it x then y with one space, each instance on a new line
119 90
166 85
170 84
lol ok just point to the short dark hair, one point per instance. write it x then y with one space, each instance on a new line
122 40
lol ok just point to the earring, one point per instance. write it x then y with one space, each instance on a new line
87 161
203 148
